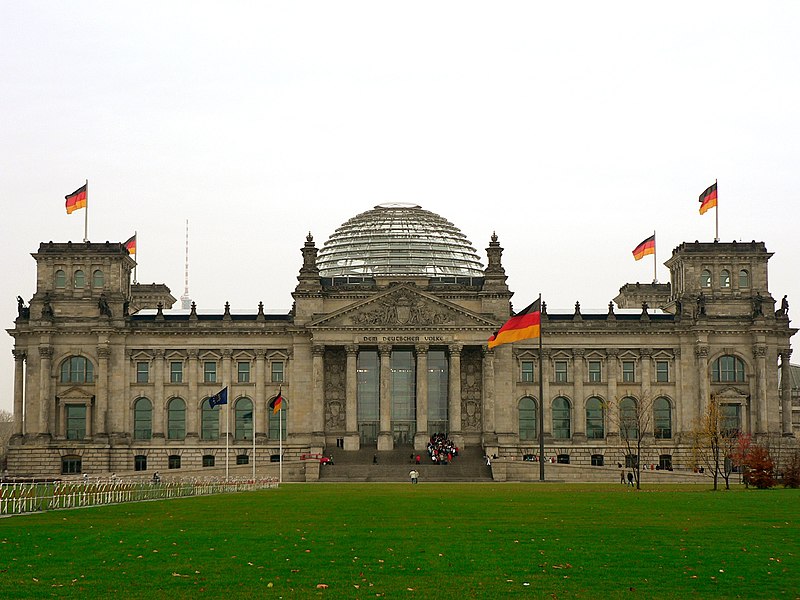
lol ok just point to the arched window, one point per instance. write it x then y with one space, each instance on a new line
176 419
244 419
705 279
209 428
527 419
79 279
61 279
744 279
662 419
595 422
142 419
278 421
725 278
562 426
77 369
727 369
628 419
98 279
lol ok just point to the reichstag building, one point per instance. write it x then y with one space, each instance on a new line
385 345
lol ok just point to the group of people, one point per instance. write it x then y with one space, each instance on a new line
441 449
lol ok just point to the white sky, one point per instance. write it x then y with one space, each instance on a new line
572 129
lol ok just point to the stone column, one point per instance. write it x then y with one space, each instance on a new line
421 434
679 413
229 421
647 386
19 387
318 383
489 428
158 394
46 415
786 394
260 401
454 396
193 406
385 438
101 391
613 399
701 354
548 402
578 369
351 439
759 405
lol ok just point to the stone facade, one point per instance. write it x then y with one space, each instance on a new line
103 384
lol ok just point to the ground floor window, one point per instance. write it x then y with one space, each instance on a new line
665 462
140 462
208 460
631 460
242 459
562 459
174 461
70 465
597 460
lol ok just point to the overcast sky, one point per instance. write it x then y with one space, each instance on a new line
572 129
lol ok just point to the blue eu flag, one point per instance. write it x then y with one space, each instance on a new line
220 397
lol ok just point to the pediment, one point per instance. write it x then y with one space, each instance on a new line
730 394
403 306
76 393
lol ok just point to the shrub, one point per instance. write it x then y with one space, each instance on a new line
761 468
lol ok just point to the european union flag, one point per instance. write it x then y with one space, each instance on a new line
220 397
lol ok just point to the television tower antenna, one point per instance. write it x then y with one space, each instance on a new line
186 301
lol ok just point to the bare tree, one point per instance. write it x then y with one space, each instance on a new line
6 429
634 418
715 443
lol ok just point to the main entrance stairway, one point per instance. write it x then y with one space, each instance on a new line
394 465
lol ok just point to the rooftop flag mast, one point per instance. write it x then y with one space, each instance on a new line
186 301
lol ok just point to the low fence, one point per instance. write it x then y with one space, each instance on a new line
19 498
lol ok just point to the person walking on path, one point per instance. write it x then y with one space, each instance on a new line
414 476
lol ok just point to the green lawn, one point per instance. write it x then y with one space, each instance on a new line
423 541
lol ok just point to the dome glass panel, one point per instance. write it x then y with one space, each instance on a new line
398 239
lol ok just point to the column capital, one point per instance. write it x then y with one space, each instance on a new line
351 349
227 353
384 349
19 354
455 348
646 352
46 351
578 352
193 354
701 351
759 350
785 354
159 353
421 348
103 352
318 349
487 352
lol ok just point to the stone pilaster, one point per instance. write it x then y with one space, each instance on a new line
421 437
159 366
46 412
454 395
352 440
786 393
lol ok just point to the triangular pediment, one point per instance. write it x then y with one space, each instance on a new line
76 393
402 306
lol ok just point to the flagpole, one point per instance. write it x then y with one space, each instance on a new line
655 262
227 434
541 397
716 213
135 260
86 216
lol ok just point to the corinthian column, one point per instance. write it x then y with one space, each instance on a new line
421 435
45 357
385 439
786 394
19 386
454 397
351 401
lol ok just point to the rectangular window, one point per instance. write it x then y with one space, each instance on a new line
210 372
142 372
628 371
527 371
76 421
561 371
176 372
662 371
208 460
277 371
174 461
730 418
243 370
595 373
140 462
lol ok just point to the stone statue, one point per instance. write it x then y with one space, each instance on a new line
102 304
23 312
757 305
701 305
784 307
47 309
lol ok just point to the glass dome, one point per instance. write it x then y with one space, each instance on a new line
398 239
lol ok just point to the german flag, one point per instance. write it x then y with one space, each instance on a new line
276 403
130 244
522 326
77 199
708 199
647 246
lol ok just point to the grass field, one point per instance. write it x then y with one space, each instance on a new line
423 541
